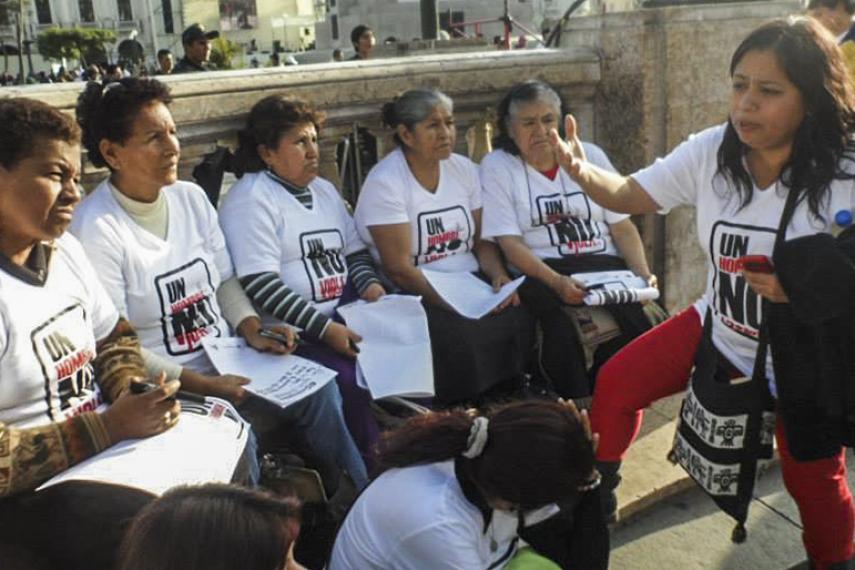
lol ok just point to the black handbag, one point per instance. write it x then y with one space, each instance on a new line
726 422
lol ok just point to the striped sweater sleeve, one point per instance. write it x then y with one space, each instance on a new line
273 297
31 456
361 269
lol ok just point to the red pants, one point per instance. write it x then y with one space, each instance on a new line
658 364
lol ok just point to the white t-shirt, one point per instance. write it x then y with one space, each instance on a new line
417 518
726 232
269 230
554 217
442 229
47 339
165 287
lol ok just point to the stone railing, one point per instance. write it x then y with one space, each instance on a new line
209 108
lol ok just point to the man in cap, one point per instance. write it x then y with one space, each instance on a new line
197 49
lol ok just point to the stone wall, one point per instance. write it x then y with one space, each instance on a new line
665 76
209 108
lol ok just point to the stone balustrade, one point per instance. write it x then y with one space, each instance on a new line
209 108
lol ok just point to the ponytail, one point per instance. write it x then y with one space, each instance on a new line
529 453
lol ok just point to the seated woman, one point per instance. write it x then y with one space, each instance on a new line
420 208
548 229
294 245
159 252
213 527
472 485
64 351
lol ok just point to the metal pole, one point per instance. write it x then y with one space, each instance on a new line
430 19
20 30
153 28
507 19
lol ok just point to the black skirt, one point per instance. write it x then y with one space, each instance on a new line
470 357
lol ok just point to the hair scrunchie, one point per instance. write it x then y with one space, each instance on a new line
477 438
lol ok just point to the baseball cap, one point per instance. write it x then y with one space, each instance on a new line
196 32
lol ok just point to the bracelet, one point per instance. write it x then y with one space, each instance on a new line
591 483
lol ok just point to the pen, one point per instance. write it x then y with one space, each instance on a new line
143 387
277 337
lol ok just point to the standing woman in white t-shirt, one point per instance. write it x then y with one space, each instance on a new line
295 248
790 128
420 208
549 229
157 246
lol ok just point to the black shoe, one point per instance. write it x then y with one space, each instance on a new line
610 473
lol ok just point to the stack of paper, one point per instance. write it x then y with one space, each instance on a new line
395 353
280 379
467 294
203 447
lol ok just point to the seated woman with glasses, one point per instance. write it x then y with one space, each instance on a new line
548 229
420 208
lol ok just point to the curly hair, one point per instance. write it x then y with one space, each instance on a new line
107 111
25 123
537 452
268 120
822 145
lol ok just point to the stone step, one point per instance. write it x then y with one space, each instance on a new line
648 476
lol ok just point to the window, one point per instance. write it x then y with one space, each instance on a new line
125 12
238 15
87 11
4 15
334 26
43 11
332 3
168 21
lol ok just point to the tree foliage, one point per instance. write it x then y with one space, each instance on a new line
73 43
222 53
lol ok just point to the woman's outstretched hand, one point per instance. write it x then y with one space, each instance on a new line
569 152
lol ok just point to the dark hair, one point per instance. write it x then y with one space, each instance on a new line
107 111
163 52
357 32
529 91
822 143
848 5
413 107
25 123
211 527
537 452
268 120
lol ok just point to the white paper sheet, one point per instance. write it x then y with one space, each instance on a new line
394 355
280 379
613 287
204 446
468 295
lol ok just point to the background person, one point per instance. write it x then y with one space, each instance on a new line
197 49
159 251
470 485
296 250
64 351
549 229
420 208
165 62
213 527
363 40
789 130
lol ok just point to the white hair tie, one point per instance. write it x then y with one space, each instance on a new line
477 438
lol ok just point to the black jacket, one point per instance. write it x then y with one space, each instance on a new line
812 339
